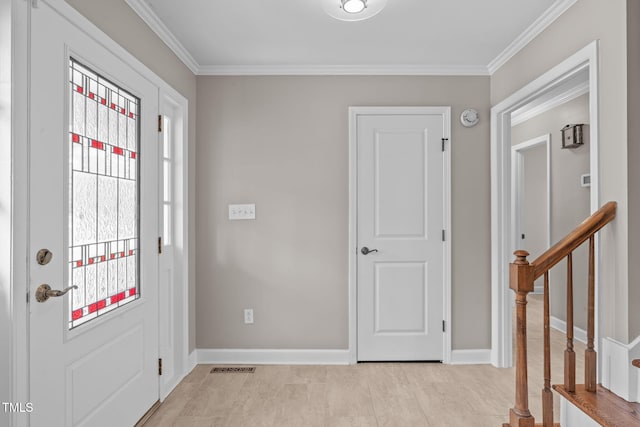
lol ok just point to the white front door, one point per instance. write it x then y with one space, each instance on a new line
93 203
401 205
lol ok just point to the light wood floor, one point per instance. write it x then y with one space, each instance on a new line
372 394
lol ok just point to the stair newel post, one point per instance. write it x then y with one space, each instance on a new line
521 281
590 356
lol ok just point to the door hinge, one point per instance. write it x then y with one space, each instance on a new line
443 141
159 122
443 236
443 326
159 366
160 244
27 297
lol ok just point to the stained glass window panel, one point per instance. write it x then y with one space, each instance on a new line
103 195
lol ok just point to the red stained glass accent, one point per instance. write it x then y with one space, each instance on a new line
93 307
113 106
121 254
131 115
97 144
78 263
102 304
103 101
132 292
76 314
118 297
133 155
123 111
113 256
130 252
91 261
92 95
75 137
103 258
118 151
80 89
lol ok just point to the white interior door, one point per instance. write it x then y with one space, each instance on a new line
400 283
93 196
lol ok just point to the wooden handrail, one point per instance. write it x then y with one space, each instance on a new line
578 236
522 275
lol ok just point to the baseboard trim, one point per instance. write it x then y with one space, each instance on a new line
273 357
471 357
192 361
561 325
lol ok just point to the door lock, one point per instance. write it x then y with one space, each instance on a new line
44 256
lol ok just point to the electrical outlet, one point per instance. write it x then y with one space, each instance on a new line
248 315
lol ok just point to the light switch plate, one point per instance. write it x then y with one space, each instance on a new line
246 211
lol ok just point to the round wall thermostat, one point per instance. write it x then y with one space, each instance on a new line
469 117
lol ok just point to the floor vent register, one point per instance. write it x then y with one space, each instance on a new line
233 370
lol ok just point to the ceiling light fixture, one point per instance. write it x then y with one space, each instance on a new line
354 6
353 10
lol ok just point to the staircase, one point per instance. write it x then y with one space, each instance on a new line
599 404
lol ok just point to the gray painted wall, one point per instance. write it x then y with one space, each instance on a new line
122 24
569 200
282 142
633 165
584 22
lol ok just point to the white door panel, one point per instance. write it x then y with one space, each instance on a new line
400 215
400 297
93 352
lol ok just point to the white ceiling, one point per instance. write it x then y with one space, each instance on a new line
417 36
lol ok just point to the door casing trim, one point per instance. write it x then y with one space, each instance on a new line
354 112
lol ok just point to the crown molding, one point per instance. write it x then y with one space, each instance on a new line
341 70
157 26
538 26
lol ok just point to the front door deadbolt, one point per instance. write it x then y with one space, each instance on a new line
44 256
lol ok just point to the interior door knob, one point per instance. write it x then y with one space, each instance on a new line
365 250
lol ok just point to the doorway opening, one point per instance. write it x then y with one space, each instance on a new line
576 71
531 193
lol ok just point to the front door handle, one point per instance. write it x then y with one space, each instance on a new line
365 250
44 292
